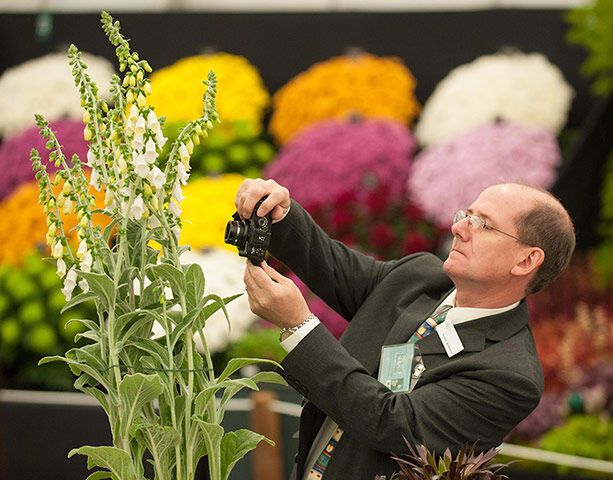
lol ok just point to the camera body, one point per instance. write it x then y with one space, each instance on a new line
251 236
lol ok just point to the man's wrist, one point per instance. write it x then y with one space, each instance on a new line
287 331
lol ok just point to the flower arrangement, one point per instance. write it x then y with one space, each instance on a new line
15 152
135 284
342 87
338 157
449 176
44 85
521 88
380 225
177 91
31 324
242 153
24 226
207 208
591 27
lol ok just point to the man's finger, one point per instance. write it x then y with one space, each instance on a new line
272 273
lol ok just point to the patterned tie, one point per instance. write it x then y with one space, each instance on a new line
425 329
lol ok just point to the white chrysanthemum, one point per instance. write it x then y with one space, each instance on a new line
223 272
45 85
523 88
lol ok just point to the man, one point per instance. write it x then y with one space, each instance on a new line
482 375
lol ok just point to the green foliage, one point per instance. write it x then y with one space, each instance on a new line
583 435
592 27
604 253
421 464
261 343
135 285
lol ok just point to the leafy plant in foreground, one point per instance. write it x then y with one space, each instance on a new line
161 396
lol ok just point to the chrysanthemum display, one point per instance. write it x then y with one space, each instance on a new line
338 157
380 226
522 88
15 162
360 84
24 226
45 86
177 90
450 176
207 207
31 324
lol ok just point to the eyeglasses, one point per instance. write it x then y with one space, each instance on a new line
477 222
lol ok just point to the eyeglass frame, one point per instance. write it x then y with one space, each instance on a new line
481 223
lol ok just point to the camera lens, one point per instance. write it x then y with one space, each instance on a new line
235 233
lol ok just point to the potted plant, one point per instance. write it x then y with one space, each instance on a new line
163 399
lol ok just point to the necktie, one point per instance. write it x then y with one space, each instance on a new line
425 329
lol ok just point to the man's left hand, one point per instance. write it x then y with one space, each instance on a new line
273 297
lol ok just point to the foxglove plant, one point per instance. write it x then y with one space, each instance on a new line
161 396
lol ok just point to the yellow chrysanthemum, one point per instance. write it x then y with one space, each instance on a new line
24 224
363 84
178 89
207 208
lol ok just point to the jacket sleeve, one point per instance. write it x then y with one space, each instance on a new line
340 276
479 406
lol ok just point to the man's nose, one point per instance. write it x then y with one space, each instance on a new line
461 229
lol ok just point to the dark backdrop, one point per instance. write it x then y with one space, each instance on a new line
284 44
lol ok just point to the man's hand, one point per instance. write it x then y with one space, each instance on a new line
274 297
251 191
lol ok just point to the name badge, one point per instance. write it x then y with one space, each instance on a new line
449 338
395 366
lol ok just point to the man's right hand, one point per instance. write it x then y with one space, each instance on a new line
251 191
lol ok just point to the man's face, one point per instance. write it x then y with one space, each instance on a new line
482 256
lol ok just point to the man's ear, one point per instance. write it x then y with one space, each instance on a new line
529 262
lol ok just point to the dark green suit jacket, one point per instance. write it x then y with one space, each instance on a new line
478 395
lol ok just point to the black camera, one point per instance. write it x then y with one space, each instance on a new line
250 236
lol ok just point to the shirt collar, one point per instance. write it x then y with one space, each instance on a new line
465 314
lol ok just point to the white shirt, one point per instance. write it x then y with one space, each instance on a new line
456 316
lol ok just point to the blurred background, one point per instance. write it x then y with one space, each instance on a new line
382 117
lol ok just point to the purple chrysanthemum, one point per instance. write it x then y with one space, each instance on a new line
15 162
339 157
451 175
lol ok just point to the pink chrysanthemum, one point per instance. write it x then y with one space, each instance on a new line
337 157
450 176
15 162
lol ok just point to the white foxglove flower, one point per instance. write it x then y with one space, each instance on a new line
69 283
160 139
182 174
91 158
109 198
150 153
174 208
157 177
138 142
140 165
133 115
57 250
176 230
61 267
86 263
82 250
138 207
95 179
184 153
139 127
67 209
152 121
83 285
177 192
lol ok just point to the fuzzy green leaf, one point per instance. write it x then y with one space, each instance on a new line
77 299
100 475
102 286
117 461
194 279
238 363
172 275
134 392
235 445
